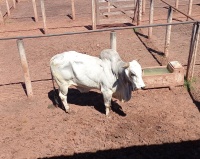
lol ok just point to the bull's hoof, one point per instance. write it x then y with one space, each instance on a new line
67 111
107 111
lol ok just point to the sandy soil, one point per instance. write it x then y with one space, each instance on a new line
154 124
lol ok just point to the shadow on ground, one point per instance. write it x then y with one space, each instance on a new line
92 99
153 50
182 150
197 103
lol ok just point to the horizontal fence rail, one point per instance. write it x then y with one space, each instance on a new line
99 30
188 16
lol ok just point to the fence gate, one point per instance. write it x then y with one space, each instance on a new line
113 11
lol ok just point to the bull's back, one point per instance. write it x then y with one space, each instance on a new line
79 69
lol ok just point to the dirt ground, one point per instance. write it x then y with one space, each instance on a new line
154 124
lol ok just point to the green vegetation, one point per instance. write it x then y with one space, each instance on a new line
136 29
189 84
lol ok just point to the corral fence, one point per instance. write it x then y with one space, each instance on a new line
127 11
103 11
113 36
191 58
10 6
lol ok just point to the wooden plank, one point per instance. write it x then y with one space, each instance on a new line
113 21
102 1
121 7
117 13
113 7
123 11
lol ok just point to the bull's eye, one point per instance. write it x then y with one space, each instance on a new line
132 74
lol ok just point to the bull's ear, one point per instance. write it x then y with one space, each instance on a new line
138 60
126 65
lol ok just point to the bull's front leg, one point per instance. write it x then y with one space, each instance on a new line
107 96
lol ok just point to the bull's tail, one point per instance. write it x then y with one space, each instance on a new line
52 78
55 96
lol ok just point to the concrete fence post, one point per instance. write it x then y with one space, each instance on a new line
113 40
168 32
25 68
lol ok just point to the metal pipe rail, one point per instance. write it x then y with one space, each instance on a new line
99 30
178 10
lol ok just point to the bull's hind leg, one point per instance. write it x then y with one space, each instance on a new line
63 96
107 96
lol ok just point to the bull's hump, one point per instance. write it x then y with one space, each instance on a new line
65 57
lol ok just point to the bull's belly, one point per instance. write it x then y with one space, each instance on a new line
87 83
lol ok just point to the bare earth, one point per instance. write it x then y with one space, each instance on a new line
154 124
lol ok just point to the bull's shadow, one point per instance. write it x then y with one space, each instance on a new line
92 99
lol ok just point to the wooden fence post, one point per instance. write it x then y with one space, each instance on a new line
8 8
139 12
43 16
190 8
73 9
151 18
143 6
176 4
168 32
193 51
93 15
108 6
14 3
113 40
25 68
35 10
1 18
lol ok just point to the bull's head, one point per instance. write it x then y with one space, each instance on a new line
133 72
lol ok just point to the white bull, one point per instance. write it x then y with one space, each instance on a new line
108 73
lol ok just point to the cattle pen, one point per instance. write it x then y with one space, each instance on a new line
191 57
154 123
113 43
